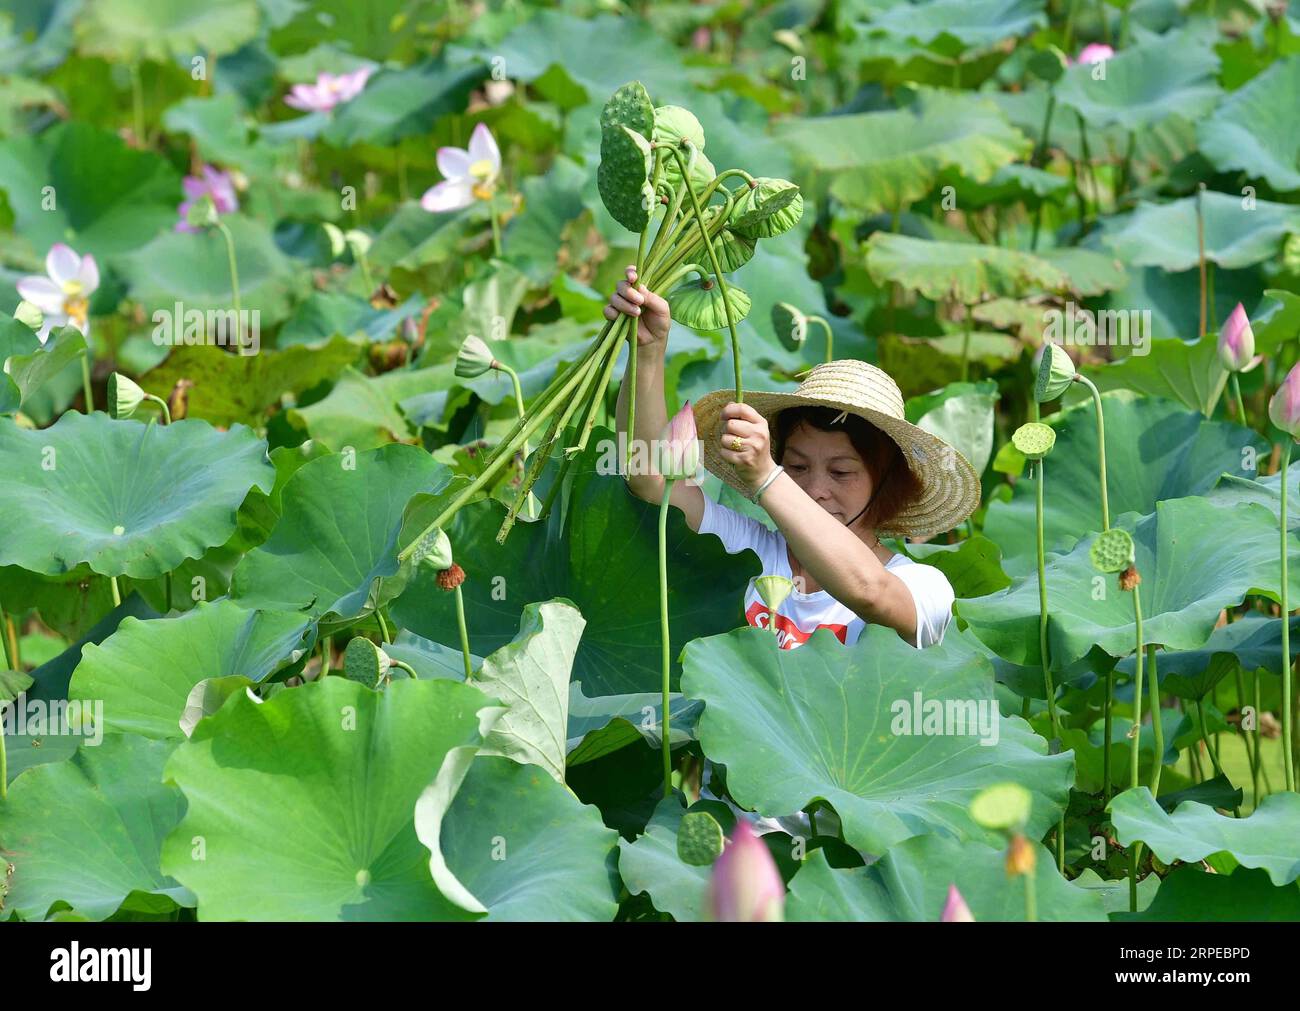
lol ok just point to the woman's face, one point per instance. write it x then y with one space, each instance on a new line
827 467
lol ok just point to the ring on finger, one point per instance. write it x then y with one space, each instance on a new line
737 443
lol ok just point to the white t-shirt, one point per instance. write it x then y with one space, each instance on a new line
801 614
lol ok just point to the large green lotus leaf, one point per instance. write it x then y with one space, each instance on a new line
88 830
962 415
585 561
132 31
304 802
50 681
337 536
1090 272
1143 85
1194 559
1187 371
220 130
1114 892
239 388
325 314
605 723
973 565
1164 235
1192 895
194 271
909 884
105 197
25 374
934 134
126 497
522 845
970 22
1248 644
1276 321
881 161
819 722
361 411
146 670
963 272
1269 838
1252 131
1154 450
530 675
650 864
405 102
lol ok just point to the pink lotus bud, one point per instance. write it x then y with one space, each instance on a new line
745 887
955 909
1284 408
679 449
1237 342
1095 52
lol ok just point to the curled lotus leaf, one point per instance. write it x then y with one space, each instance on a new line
768 208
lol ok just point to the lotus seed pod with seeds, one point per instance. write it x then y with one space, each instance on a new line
433 550
124 396
1112 551
623 177
474 358
697 303
1055 373
768 208
1034 439
1002 806
629 106
364 662
699 839
773 590
790 325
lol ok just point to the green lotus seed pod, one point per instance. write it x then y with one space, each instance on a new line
790 324
773 590
1034 439
1003 807
1055 373
629 106
202 213
365 662
768 208
474 358
623 177
124 396
699 839
433 550
673 124
1112 551
697 303
1048 64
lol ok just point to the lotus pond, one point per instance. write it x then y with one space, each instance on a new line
323 596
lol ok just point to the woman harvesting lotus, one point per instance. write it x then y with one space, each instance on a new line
842 478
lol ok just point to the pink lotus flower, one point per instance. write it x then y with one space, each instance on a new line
471 173
678 452
328 91
745 886
1237 342
1095 52
955 909
213 183
1284 407
64 296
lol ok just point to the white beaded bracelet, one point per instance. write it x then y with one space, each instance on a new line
766 481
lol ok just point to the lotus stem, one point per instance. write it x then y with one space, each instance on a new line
1048 686
1259 758
664 635
1287 758
1108 730
1157 729
1200 246
464 633
965 344
324 656
87 390
1069 25
137 104
402 665
632 333
11 661
1137 689
496 226
717 270
830 336
117 593
1043 140
1241 404
522 411
234 278
1101 448
1031 898
383 626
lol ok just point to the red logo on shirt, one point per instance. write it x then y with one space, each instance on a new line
788 634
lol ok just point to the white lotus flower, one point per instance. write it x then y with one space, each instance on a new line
64 296
471 173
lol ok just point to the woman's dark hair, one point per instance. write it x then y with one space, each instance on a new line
895 487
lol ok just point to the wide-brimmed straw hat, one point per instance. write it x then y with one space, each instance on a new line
950 486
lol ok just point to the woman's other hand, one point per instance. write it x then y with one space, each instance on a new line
753 460
651 311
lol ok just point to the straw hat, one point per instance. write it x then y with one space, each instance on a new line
951 488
